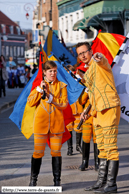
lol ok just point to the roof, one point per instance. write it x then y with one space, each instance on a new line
5 20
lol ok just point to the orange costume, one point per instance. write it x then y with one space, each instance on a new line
48 118
87 132
76 110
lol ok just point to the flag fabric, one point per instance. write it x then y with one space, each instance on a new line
121 76
52 44
108 44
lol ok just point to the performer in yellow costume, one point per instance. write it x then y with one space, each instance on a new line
87 133
106 102
48 121
76 110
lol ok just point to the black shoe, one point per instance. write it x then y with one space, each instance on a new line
85 156
56 168
96 159
70 145
83 166
102 176
35 168
111 186
78 142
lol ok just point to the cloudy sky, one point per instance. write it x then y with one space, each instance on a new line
16 10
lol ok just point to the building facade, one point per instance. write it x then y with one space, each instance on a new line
108 15
45 16
12 40
71 12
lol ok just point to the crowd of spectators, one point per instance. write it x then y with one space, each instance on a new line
14 76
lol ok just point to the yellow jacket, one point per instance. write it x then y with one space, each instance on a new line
76 108
100 82
49 116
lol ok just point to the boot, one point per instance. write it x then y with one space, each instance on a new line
56 168
111 186
85 156
78 142
102 176
70 145
96 159
35 168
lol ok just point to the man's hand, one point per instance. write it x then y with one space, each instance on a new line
83 116
98 56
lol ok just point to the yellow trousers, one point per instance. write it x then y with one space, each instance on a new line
40 141
106 133
73 125
87 133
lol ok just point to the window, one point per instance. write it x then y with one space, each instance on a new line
7 51
71 20
3 26
22 51
11 51
3 50
11 29
14 51
18 51
18 30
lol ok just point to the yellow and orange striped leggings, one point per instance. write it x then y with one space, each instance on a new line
87 133
73 125
40 141
106 136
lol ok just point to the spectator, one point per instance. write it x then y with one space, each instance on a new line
3 75
20 72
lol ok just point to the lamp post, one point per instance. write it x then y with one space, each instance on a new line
27 16
27 8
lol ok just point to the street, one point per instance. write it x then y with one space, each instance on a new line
16 151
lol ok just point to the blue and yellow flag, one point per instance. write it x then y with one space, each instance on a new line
52 44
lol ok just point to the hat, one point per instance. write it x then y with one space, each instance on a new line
82 66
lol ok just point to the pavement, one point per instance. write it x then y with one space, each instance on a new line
16 151
10 98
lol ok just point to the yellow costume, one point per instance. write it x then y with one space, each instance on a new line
87 132
76 110
48 118
105 100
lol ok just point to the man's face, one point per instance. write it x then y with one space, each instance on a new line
84 54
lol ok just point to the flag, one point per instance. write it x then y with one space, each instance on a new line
108 44
121 76
52 44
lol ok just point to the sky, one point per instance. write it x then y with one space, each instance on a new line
16 10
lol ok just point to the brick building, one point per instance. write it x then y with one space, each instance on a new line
12 40
45 14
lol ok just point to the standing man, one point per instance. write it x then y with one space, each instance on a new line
106 103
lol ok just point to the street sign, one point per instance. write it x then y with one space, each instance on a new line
35 36
44 32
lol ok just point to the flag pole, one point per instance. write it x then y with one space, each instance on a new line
41 55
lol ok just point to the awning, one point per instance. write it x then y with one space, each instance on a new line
85 23
98 21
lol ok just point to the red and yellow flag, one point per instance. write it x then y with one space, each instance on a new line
108 44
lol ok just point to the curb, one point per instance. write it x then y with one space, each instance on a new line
7 105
